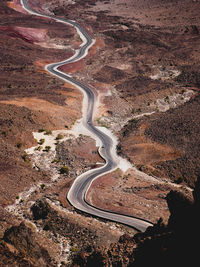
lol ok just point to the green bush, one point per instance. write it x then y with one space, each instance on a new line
38 148
74 249
47 148
48 132
26 158
59 136
64 170
41 141
55 161
41 130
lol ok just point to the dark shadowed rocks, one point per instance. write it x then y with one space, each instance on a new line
24 241
40 209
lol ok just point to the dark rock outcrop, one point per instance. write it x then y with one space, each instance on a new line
174 244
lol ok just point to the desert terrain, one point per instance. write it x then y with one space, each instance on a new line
144 70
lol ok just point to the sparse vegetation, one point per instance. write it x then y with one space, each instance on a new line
19 144
4 133
47 148
127 51
41 130
64 170
102 123
133 111
26 158
119 149
38 148
179 180
75 249
59 137
48 132
41 141
42 186
56 161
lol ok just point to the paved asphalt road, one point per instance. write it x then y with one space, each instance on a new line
78 191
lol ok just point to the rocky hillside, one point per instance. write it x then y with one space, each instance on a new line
173 243
144 69
154 68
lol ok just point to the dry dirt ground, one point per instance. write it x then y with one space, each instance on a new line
154 66
144 67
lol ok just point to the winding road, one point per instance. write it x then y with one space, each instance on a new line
78 191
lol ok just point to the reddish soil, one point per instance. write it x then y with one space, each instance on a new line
41 101
131 194
133 39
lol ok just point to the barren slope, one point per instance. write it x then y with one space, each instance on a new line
145 68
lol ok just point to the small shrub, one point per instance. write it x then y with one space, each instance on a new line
41 130
26 158
47 148
38 148
4 133
59 136
140 167
179 180
42 186
48 132
133 111
55 161
19 144
64 170
74 249
41 141
119 148
57 143
167 99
